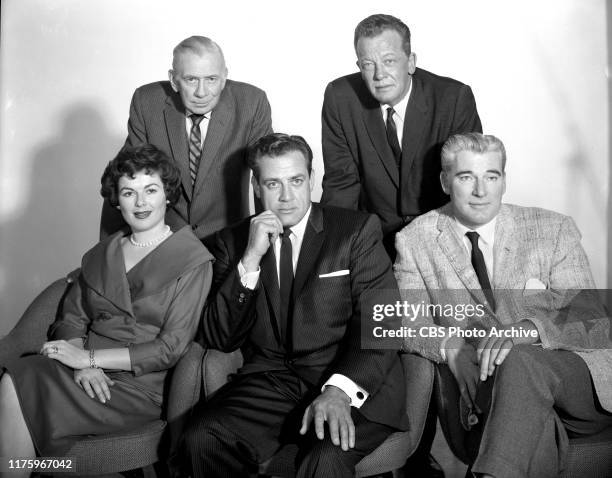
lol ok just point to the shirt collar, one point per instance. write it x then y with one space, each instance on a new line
300 228
400 108
486 231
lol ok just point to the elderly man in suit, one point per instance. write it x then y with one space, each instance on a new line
383 128
204 122
522 381
287 288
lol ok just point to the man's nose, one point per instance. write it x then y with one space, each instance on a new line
479 188
286 193
379 71
201 89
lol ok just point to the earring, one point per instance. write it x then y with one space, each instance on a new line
167 201
118 207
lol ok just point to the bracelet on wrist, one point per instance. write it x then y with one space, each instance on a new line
92 359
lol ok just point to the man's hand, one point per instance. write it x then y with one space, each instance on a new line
492 351
334 407
95 383
463 363
263 231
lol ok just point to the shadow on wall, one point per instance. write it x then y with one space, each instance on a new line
61 218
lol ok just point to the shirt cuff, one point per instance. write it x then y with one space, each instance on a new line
357 394
248 279
443 347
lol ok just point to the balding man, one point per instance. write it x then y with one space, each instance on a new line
204 122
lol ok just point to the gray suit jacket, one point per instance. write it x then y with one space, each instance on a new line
532 247
220 196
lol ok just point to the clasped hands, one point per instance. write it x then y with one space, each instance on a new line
93 381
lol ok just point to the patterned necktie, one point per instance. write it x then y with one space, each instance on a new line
286 280
480 267
195 146
392 136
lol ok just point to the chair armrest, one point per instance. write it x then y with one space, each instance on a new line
419 373
217 366
31 330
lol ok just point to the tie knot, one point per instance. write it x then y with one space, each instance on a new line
196 119
390 112
286 232
473 237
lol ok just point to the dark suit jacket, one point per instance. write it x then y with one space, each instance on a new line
326 325
220 196
360 169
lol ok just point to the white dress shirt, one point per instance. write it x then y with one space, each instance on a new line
203 126
398 116
486 241
249 280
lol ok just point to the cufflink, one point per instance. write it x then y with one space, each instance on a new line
360 395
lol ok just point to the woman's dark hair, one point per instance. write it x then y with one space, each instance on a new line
132 160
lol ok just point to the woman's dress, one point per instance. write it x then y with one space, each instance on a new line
153 310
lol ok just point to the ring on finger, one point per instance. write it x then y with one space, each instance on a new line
54 349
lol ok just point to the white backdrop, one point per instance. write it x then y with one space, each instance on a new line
69 68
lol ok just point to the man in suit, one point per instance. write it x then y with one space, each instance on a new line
383 128
287 288
524 269
204 122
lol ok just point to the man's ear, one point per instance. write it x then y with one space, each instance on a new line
171 78
312 178
412 62
443 182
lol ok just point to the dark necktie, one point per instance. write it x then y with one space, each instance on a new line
286 280
480 267
392 137
195 146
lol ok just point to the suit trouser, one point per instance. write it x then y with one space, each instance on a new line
535 400
253 415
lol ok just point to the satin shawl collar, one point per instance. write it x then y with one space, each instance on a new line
103 267
452 246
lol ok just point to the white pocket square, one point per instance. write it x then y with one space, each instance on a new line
534 284
343 272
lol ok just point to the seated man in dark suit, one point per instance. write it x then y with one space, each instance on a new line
383 128
525 271
204 122
287 288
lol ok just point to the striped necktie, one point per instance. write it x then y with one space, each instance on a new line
195 146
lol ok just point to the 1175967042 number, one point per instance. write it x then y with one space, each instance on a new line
60 464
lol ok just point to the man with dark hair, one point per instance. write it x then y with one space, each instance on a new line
287 289
526 270
383 128
204 122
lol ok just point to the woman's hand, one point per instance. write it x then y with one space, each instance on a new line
66 353
95 383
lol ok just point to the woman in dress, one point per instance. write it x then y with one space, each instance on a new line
127 319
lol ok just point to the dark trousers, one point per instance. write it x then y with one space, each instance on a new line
252 416
535 400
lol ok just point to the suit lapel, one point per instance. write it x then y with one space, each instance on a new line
174 117
505 250
453 248
311 247
375 125
269 280
222 116
415 121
